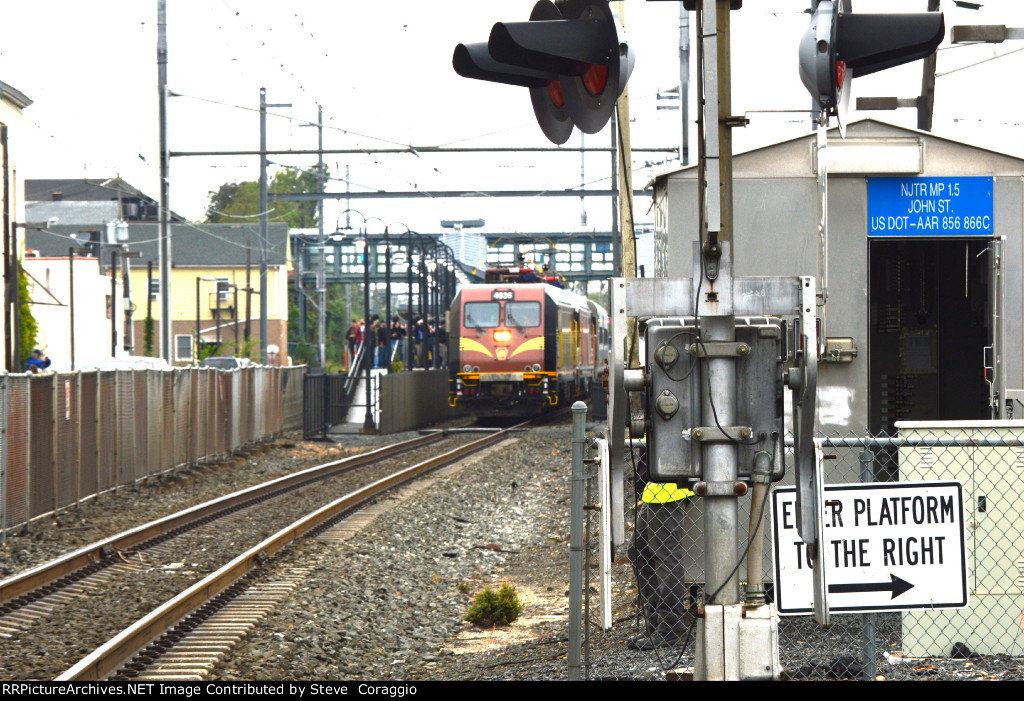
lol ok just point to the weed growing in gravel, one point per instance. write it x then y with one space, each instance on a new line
463 587
490 608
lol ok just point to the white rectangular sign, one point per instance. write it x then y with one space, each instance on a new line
889 547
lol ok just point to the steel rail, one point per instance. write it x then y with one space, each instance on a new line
95 553
121 648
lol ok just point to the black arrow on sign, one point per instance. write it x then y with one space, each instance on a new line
897 586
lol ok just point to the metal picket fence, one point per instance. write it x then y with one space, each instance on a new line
66 437
983 640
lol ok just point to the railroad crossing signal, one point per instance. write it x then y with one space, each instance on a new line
839 45
575 61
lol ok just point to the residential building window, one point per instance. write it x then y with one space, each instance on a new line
154 289
183 347
223 291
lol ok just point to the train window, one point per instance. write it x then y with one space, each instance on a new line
481 315
522 314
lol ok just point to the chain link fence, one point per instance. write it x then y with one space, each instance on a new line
985 639
66 437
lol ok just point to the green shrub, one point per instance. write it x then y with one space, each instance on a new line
490 608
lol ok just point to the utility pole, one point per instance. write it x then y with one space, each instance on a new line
71 302
248 292
164 256
321 330
113 303
264 224
128 333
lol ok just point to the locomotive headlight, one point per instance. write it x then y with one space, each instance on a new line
467 368
502 336
536 367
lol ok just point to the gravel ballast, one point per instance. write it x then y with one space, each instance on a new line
388 604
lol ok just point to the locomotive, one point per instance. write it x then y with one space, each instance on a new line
520 344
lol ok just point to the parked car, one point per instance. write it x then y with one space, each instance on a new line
226 362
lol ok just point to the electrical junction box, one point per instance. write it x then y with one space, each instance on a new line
677 387
994 519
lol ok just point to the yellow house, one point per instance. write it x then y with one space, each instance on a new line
215 286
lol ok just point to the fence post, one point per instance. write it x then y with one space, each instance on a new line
579 429
869 649
325 381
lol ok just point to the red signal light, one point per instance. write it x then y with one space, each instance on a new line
595 78
555 93
840 73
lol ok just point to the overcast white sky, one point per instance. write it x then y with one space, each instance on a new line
382 71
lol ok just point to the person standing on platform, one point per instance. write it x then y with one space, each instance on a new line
352 337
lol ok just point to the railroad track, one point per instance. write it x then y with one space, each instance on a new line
188 633
42 607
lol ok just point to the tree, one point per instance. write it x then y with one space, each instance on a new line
29 327
232 201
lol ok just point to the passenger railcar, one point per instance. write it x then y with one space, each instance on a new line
519 346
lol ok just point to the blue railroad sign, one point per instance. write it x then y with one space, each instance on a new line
930 207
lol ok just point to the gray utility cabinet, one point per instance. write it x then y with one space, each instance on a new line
994 519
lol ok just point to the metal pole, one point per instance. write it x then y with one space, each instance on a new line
235 303
869 651
195 359
616 243
248 296
128 332
12 357
149 299
321 329
684 81
263 226
579 430
409 326
218 288
164 257
422 300
368 424
718 653
71 303
113 304
387 300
